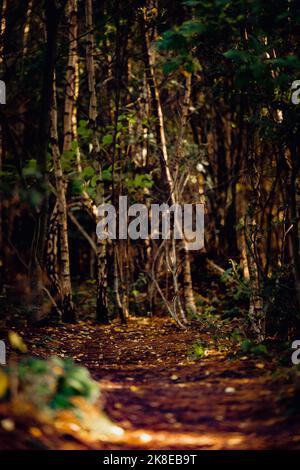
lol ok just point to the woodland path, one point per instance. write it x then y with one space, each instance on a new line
163 399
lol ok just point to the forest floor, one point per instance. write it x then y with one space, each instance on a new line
161 397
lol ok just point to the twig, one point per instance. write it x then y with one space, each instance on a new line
52 299
83 232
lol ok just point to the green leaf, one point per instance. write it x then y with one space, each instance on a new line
74 145
192 27
171 65
76 187
31 169
248 346
88 172
107 174
171 40
236 55
94 181
107 140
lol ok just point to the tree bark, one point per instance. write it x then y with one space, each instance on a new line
52 21
66 287
102 297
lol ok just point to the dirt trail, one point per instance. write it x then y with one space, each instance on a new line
164 400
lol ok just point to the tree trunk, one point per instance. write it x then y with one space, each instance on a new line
189 300
71 92
66 287
257 313
102 298
52 20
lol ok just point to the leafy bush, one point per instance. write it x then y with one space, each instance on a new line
250 347
246 345
52 383
197 351
236 285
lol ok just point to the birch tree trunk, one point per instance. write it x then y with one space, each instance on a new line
66 287
187 274
62 284
53 238
256 308
52 21
72 74
52 257
27 27
102 299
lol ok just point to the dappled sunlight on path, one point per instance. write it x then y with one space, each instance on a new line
158 398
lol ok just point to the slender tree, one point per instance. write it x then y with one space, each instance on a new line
102 300
66 287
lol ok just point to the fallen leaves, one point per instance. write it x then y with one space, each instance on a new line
8 425
35 432
17 342
154 395
259 365
3 383
229 390
87 422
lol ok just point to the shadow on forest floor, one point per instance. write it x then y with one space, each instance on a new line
160 397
